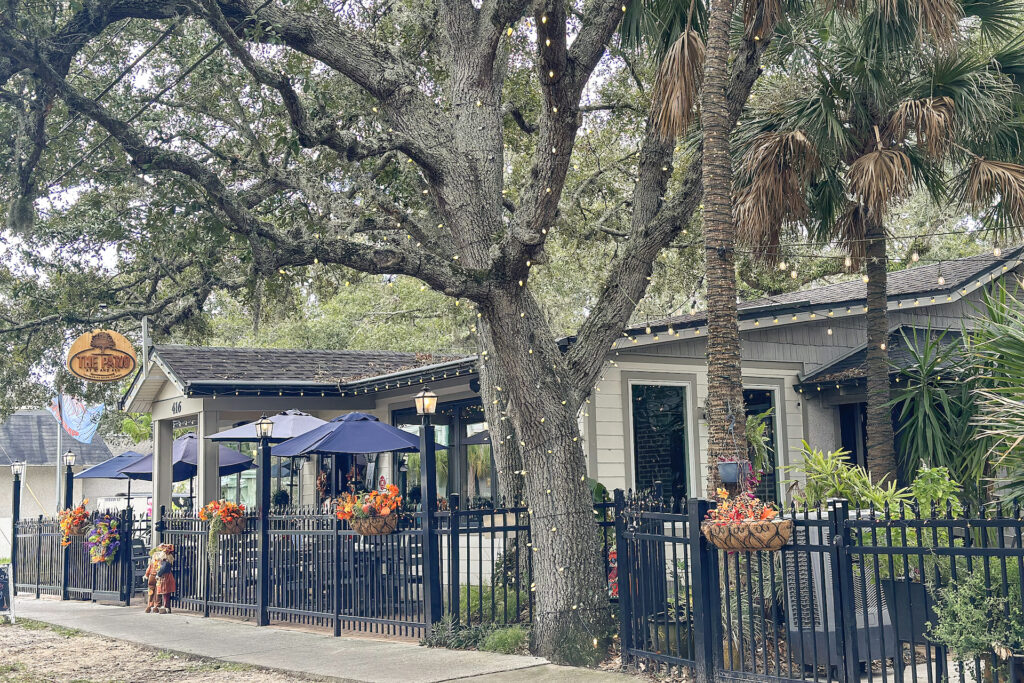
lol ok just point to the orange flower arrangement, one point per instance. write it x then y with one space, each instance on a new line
744 508
226 511
371 504
72 522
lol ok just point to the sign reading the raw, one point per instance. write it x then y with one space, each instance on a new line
101 356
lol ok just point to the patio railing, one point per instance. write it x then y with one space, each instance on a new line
855 596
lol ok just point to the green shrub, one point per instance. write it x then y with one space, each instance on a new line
507 607
973 620
508 641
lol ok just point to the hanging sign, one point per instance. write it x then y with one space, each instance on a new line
101 356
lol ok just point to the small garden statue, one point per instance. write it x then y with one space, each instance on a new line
160 579
152 603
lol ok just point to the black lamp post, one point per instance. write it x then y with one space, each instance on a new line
426 405
69 479
17 469
264 431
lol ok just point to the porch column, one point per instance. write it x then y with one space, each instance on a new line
209 468
163 442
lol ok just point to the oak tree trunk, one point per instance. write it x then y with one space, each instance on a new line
571 609
725 413
881 454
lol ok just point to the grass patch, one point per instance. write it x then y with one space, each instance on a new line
508 641
33 625
11 668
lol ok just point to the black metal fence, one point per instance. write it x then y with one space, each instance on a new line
857 595
46 566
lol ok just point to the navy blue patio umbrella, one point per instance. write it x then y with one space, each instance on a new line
185 461
287 425
354 433
478 439
111 469
351 433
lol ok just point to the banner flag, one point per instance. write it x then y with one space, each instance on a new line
78 419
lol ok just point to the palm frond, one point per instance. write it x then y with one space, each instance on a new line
850 228
999 19
937 19
761 16
994 190
776 173
659 23
677 89
930 118
878 178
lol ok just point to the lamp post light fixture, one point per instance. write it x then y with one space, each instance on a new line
264 430
426 402
17 469
426 405
69 479
264 427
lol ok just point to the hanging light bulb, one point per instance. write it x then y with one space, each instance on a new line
865 278
997 252
783 265
942 280
915 257
792 274
848 262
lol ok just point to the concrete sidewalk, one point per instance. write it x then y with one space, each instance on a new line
346 659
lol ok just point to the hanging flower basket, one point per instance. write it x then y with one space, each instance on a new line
372 514
73 522
233 526
749 536
374 526
745 523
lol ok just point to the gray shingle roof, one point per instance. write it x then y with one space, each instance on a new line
31 436
901 355
198 365
910 282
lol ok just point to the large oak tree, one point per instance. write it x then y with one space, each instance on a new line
373 135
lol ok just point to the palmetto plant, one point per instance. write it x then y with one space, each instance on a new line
997 350
874 100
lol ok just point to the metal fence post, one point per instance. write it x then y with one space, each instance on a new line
431 551
337 583
127 567
622 579
39 556
160 527
707 609
454 582
15 523
842 572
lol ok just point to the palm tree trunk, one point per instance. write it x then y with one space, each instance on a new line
881 455
725 414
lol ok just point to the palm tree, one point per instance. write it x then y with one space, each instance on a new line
884 97
690 69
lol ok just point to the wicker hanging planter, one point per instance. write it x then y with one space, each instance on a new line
234 527
78 529
749 536
374 526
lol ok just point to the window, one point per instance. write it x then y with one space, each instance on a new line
757 401
660 437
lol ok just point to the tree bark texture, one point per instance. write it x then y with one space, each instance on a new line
881 454
572 613
725 413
